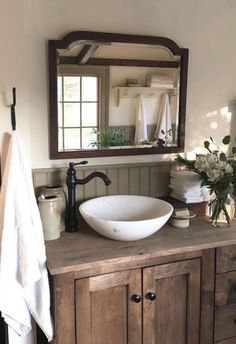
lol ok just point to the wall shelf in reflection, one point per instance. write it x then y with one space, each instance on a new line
147 92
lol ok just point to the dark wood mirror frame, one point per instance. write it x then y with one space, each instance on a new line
76 37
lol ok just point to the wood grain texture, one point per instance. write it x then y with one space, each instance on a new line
207 296
105 313
86 250
226 259
228 341
225 322
225 289
63 309
174 316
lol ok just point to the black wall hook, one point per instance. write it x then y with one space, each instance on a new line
13 115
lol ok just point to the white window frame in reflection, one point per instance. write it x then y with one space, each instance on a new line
78 141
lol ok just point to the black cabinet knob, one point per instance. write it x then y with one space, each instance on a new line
151 296
136 298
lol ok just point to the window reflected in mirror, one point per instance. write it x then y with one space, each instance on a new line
77 111
80 106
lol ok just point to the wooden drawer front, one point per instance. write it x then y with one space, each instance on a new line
228 341
225 259
225 289
225 322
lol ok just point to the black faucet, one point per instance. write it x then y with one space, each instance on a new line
71 182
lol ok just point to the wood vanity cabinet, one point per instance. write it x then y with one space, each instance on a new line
225 295
111 308
168 302
176 287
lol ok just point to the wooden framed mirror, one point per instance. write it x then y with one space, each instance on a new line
101 85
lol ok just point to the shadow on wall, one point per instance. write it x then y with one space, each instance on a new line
216 124
232 109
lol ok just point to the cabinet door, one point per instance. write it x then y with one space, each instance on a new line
106 312
173 316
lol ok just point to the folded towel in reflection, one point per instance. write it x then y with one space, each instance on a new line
159 80
163 130
159 77
140 125
160 84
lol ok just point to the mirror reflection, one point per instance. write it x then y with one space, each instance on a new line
112 95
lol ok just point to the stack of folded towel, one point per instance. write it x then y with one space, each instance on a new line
186 186
133 83
159 80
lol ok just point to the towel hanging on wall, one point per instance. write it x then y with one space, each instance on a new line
24 287
164 130
140 125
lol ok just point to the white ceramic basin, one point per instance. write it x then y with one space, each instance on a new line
126 217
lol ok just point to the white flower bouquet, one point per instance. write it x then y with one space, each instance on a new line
218 174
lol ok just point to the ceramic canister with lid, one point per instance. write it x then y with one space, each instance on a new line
50 212
56 190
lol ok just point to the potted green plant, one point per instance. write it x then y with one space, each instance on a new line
107 137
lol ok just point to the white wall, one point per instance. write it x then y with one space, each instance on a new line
124 113
207 28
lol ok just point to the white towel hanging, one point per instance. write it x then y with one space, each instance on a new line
140 125
24 287
163 130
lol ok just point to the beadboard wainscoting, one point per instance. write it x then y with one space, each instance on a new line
137 179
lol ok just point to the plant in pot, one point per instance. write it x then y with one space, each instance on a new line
108 137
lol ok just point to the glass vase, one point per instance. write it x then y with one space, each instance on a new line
221 211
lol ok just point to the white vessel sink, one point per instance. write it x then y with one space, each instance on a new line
126 217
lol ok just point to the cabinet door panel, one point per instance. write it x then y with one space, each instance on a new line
173 317
225 322
225 289
105 313
225 259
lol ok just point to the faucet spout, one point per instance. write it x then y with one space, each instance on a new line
71 182
94 175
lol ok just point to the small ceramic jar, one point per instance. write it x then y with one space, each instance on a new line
56 190
50 212
180 218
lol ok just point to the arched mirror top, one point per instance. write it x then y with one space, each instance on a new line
101 83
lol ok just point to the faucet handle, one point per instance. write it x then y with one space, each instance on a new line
72 164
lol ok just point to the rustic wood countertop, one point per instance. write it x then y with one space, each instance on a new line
86 250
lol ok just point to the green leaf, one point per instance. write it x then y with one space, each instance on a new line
226 140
